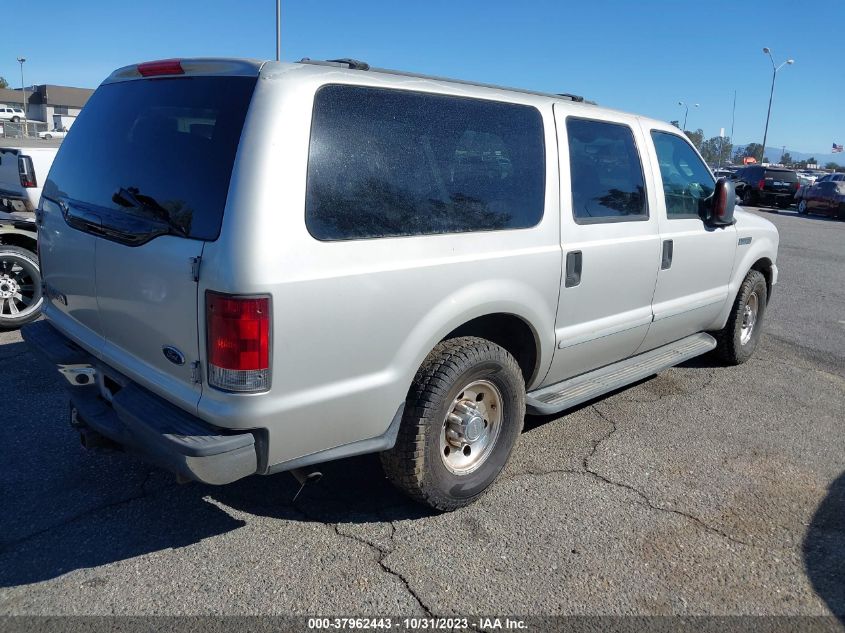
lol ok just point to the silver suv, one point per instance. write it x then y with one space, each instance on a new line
253 267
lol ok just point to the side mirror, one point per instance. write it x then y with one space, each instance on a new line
722 204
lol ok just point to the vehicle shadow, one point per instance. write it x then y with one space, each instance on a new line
65 508
824 549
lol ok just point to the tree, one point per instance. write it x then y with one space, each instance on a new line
786 159
696 137
3 83
834 166
752 149
717 150
677 124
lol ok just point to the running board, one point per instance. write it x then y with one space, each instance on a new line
580 389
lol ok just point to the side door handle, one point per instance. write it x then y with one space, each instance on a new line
666 260
573 269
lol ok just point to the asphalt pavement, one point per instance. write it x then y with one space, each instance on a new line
704 490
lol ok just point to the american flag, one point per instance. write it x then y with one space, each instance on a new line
837 148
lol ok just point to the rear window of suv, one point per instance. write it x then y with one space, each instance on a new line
389 163
781 175
165 144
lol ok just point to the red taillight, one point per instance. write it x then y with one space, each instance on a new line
238 342
161 67
796 185
27 172
761 183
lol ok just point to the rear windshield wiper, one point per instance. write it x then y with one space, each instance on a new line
132 198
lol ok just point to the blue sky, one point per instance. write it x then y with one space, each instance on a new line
642 56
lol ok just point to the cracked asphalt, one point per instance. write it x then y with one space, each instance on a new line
703 490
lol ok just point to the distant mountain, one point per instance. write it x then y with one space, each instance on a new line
774 153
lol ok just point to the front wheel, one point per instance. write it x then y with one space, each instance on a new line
20 287
16 119
48 136
738 339
463 416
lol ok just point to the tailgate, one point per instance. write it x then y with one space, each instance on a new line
129 212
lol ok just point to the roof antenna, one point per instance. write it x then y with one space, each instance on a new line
278 29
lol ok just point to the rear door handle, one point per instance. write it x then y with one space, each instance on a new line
573 269
666 260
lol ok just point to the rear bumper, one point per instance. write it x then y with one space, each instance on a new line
140 421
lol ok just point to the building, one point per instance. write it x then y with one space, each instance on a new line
56 106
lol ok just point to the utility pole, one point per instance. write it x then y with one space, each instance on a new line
21 60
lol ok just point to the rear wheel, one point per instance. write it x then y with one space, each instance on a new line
20 287
463 415
802 207
748 197
16 119
738 340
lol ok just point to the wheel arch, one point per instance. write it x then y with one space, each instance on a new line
510 332
22 239
764 265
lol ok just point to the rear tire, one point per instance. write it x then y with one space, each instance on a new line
466 388
738 339
20 287
802 207
748 197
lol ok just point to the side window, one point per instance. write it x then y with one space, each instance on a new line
686 179
388 163
607 176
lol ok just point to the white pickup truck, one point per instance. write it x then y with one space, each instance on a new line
23 171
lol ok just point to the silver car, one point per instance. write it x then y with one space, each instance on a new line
253 267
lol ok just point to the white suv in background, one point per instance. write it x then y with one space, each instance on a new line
9 113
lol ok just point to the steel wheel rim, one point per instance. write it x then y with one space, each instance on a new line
749 318
20 295
471 427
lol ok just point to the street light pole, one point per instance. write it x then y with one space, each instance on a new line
686 113
775 70
21 60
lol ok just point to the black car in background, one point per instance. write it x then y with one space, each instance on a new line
773 186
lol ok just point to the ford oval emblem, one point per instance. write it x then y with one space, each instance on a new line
173 355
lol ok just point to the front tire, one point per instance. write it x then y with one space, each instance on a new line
463 416
20 287
738 340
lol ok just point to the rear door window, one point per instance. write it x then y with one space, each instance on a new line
387 163
156 149
607 175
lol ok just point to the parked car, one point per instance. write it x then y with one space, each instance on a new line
723 173
774 186
11 113
53 134
326 259
825 198
803 189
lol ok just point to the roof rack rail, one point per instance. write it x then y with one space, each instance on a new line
354 64
345 62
